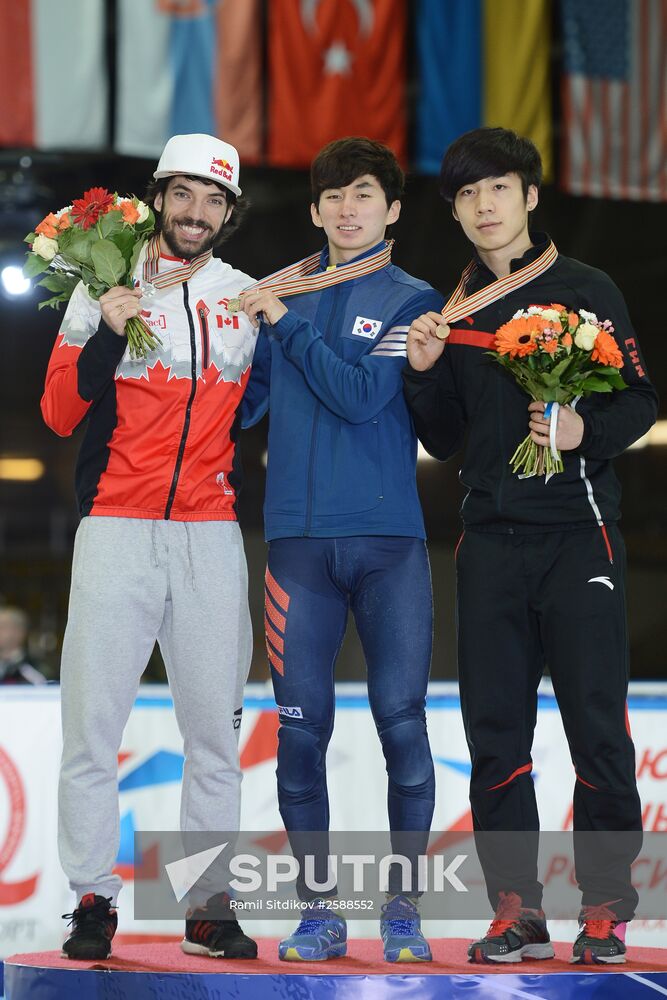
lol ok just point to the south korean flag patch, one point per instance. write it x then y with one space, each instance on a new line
367 328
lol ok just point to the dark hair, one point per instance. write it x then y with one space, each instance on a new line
239 204
343 160
489 152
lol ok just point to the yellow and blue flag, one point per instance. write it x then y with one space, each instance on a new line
482 62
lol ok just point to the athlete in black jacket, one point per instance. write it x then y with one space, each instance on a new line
540 566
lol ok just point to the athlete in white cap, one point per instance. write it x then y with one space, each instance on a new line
158 554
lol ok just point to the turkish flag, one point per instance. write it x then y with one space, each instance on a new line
336 68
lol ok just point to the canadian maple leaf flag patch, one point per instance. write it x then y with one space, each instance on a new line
368 328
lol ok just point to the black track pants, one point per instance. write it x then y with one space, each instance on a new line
558 599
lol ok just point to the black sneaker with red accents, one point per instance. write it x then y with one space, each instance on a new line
602 937
94 923
516 932
213 930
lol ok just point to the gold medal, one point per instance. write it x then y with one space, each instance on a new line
234 306
442 331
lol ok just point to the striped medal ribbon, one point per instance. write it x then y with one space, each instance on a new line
460 305
304 275
174 277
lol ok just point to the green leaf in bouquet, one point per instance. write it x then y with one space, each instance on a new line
65 238
96 288
550 379
35 265
108 262
593 383
59 282
606 370
79 248
563 394
560 369
111 223
54 302
134 259
125 241
88 276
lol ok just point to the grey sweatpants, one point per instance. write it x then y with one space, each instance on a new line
135 581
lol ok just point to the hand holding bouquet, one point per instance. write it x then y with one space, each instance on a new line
97 239
557 356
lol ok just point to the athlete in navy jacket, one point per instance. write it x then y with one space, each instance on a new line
344 524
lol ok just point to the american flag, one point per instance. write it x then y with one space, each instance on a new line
614 93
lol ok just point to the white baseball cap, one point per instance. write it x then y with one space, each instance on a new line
201 156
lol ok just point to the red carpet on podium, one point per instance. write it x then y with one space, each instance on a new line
364 958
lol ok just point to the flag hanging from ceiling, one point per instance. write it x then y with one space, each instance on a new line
53 76
336 68
614 97
482 62
189 66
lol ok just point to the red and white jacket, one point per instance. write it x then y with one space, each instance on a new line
161 433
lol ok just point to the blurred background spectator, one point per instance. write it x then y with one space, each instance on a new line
17 666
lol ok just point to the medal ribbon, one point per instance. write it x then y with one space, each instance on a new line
460 305
174 277
305 276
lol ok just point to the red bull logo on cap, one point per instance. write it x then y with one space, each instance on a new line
222 168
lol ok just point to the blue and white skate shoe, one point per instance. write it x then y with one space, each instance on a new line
400 929
321 934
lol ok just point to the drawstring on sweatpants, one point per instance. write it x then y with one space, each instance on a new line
154 556
191 564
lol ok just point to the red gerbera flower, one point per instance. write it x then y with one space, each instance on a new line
87 210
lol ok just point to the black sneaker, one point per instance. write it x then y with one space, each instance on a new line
213 930
94 923
515 933
602 938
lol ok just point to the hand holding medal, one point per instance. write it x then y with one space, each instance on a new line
426 340
260 303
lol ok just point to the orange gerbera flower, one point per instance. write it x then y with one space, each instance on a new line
48 226
606 350
517 338
130 214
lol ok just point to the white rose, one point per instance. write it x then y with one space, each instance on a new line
552 315
585 336
142 209
45 247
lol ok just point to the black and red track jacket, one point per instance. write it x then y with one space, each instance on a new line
467 395
161 434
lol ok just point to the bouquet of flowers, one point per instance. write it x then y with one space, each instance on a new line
97 239
556 355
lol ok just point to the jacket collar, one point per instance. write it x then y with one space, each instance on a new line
324 257
539 245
